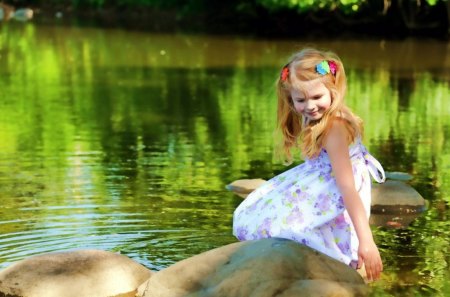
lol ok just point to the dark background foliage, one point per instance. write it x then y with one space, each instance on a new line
390 18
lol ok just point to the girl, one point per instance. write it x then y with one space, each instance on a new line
324 202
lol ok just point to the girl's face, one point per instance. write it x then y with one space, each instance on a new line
315 102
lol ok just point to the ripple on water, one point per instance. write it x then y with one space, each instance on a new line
133 234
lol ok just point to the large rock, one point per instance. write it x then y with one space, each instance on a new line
262 268
85 273
395 204
396 197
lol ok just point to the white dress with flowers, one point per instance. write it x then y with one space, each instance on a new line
304 204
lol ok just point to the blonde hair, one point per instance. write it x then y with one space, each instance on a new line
297 131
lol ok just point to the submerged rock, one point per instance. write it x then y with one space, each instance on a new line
263 268
85 273
395 204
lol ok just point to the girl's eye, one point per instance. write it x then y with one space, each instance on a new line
300 100
317 97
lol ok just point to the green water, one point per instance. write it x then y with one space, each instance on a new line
124 141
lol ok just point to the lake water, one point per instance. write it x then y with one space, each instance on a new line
124 141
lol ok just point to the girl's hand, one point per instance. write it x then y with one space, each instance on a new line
369 255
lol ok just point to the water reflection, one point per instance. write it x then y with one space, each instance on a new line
124 141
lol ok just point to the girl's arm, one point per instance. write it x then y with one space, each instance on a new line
337 149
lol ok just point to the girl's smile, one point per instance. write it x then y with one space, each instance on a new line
314 103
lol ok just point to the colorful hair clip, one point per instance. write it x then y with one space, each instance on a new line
284 73
333 67
326 67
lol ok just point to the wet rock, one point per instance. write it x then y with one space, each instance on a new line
243 187
85 273
395 175
23 14
396 197
266 267
395 204
393 221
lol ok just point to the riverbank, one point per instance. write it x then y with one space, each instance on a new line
255 20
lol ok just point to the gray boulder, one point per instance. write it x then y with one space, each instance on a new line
396 197
395 204
85 273
262 268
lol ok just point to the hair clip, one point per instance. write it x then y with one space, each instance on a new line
326 67
284 73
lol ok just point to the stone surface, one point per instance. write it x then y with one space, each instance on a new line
396 197
262 268
394 221
85 273
243 187
395 175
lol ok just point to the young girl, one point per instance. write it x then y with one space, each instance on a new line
324 202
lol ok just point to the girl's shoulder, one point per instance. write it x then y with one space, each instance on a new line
342 132
348 124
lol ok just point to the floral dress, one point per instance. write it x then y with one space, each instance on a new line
304 204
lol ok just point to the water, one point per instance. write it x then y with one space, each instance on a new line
124 141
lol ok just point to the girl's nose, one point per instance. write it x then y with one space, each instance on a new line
310 105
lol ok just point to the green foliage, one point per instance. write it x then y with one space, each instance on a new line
346 6
433 2
306 5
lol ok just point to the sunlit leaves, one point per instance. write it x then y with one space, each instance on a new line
304 5
432 2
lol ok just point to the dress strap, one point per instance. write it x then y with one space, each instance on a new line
375 168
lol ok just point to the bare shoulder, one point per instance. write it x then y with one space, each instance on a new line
338 134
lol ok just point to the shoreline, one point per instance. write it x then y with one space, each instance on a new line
262 24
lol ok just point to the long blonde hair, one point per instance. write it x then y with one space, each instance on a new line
297 131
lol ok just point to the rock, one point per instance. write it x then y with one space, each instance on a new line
23 14
396 197
398 175
243 187
393 221
263 268
85 273
395 204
